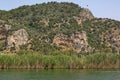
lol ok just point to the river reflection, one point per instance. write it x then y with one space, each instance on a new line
60 74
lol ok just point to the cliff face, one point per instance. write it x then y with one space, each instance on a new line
77 42
18 38
85 14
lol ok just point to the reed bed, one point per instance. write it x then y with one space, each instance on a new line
40 61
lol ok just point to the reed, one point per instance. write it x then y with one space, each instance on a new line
40 61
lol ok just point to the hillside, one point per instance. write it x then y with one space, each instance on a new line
52 27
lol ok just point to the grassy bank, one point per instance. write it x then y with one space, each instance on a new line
35 61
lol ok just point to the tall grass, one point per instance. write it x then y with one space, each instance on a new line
35 61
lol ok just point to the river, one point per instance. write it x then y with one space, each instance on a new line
63 74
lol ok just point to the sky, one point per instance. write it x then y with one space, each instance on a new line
99 8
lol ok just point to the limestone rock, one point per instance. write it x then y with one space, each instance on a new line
18 38
2 21
77 42
86 14
78 19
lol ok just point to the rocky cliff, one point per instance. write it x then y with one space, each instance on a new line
85 14
77 42
18 38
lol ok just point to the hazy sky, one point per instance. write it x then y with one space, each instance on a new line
100 8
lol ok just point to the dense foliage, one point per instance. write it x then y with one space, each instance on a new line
98 30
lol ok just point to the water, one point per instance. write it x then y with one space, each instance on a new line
64 74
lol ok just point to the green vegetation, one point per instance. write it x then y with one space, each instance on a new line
34 61
100 32
44 21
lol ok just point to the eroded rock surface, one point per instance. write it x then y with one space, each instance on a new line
85 14
77 42
18 38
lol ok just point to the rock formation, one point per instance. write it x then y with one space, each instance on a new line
18 38
77 42
85 14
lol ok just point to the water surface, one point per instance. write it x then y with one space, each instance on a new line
64 74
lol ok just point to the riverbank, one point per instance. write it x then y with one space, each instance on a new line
40 61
